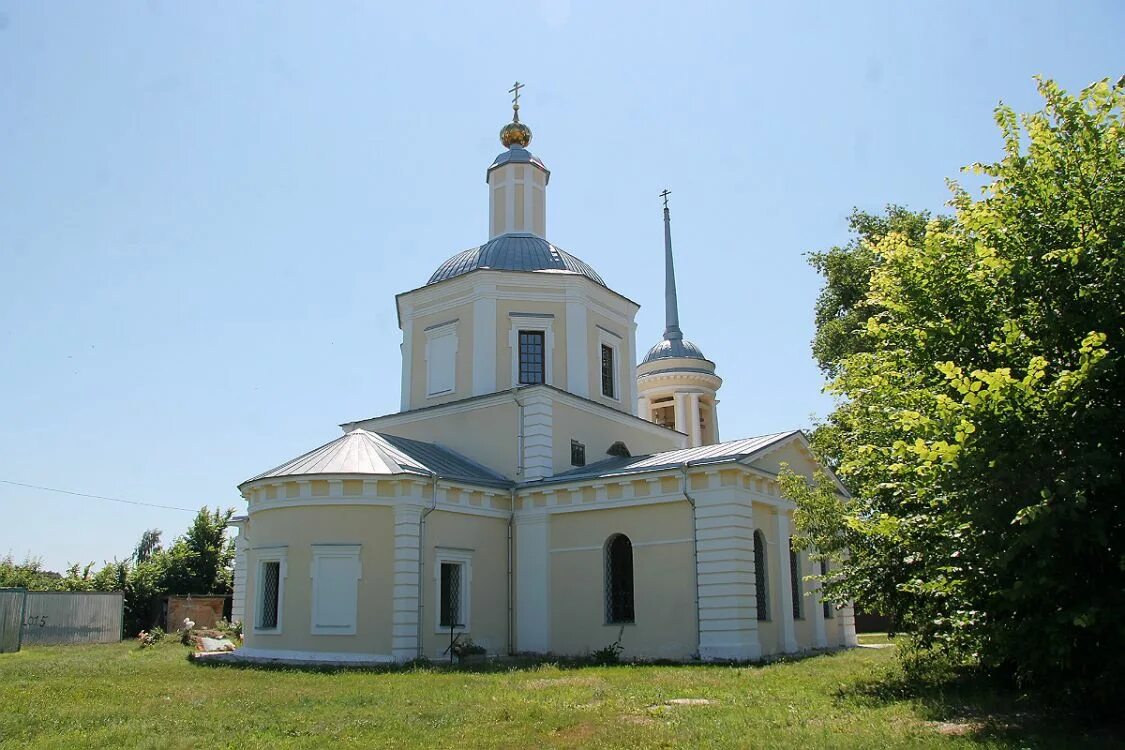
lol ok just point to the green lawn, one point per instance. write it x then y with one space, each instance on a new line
121 696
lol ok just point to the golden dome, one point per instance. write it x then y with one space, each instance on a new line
515 133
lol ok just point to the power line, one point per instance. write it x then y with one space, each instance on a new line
96 497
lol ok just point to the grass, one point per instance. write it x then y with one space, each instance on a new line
121 696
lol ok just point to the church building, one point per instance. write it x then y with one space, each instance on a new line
537 492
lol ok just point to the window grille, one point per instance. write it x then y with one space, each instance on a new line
450 595
761 576
795 580
609 385
271 589
619 580
823 576
577 453
531 357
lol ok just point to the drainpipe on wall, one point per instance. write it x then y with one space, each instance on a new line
694 555
519 435
422 554
511 590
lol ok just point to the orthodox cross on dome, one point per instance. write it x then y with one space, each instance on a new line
515 91
665 195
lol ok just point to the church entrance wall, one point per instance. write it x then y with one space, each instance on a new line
663 581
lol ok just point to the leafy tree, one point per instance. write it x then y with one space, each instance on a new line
27 575
147 546
980 422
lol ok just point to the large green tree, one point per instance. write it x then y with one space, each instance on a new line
980 421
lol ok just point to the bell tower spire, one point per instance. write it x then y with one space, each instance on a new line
671 306
677 385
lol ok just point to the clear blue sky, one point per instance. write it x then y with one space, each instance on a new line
207 209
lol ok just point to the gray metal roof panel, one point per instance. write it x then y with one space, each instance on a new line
720 452
364 452
672 349
517 155
517 251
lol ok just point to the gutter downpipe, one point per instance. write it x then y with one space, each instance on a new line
695 556
422 554
512 518
511 591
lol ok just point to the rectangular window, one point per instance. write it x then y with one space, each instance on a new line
452 612
609 379
441 359
335 579
268 602
577 453
531 357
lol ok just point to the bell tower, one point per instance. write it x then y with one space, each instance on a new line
676 384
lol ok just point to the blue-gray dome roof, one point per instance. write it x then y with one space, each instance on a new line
672 349
514 252
517 155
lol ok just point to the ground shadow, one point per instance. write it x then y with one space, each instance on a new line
983 709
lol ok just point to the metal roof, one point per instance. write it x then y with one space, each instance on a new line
734 450
517 251
363 452
517 155
673 348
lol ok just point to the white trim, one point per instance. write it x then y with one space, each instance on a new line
463 558
346 553
406 348
262 556
577 372
524 322
484 343
441 377
328 657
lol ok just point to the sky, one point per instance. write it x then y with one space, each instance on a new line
206 209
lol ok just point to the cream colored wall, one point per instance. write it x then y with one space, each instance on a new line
598 433
504 353
487 541
462 432
463 314
298 529
769 631
663 581
625 368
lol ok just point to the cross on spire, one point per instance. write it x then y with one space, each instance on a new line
665 195
515 91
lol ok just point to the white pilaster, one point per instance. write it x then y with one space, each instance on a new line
696 438
533 583
407 349
816 605
407 582
783 602
577 346
728 624
238 599
484 342
538 438
846 618
629 371
680 400
644 407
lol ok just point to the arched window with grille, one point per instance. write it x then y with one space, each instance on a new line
795 579
761 576
618 579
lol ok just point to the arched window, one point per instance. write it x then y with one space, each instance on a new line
761 576
795 579
618 579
